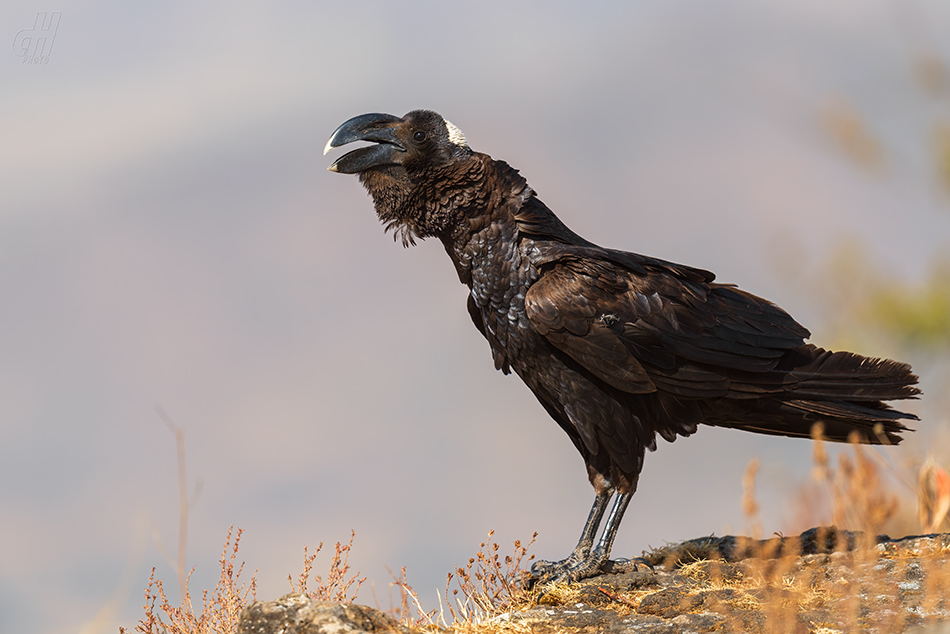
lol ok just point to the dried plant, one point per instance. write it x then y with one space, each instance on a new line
859 498
409 611
933 495
854 589
338 586
489 585
858 588
749 505
219 609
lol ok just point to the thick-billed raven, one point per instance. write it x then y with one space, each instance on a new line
618 347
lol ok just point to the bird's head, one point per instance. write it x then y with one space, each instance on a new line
410 159
420 140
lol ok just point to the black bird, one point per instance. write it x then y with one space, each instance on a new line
618 347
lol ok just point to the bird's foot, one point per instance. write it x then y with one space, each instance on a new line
550 571
581 565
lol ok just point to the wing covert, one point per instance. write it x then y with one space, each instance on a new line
574 313
646 332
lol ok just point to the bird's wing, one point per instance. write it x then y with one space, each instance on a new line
642 332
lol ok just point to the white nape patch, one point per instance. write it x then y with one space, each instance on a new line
455 135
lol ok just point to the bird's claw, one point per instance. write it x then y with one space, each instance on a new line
580 565
575 569
544 572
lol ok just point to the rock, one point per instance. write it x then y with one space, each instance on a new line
593 596
822 580
299 614
702 622
715 570
819 584
629 580
668 602
581 620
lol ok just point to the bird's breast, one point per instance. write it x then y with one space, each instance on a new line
500 273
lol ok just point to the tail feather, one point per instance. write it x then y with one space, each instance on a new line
826 374
843 391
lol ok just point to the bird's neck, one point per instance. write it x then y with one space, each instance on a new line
488 252
485 233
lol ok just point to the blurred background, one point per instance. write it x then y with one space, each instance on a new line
169 236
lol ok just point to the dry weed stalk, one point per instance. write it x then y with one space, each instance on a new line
854 589
219 609
490 585
859 499
933 495
749 505
337 586
184 501
410 614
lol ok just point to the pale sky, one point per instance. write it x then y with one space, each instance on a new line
170 236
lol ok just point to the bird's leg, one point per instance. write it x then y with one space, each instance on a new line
602 552
591 526
546 570
584 562
599 560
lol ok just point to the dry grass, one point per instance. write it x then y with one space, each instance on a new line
774 590
219 609
409 612
488 586
338 586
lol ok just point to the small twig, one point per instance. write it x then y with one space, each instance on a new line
617 598
183 505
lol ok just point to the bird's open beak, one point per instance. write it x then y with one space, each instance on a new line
376 127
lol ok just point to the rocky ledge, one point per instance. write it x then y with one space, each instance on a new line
823 581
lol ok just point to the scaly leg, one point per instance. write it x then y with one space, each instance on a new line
584 563
547 570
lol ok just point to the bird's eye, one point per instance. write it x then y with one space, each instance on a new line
419 136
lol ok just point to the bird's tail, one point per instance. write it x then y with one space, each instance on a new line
846 392
821 374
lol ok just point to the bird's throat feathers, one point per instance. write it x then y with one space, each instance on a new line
445 202
390 189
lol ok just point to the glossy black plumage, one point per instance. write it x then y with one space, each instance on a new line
619 348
